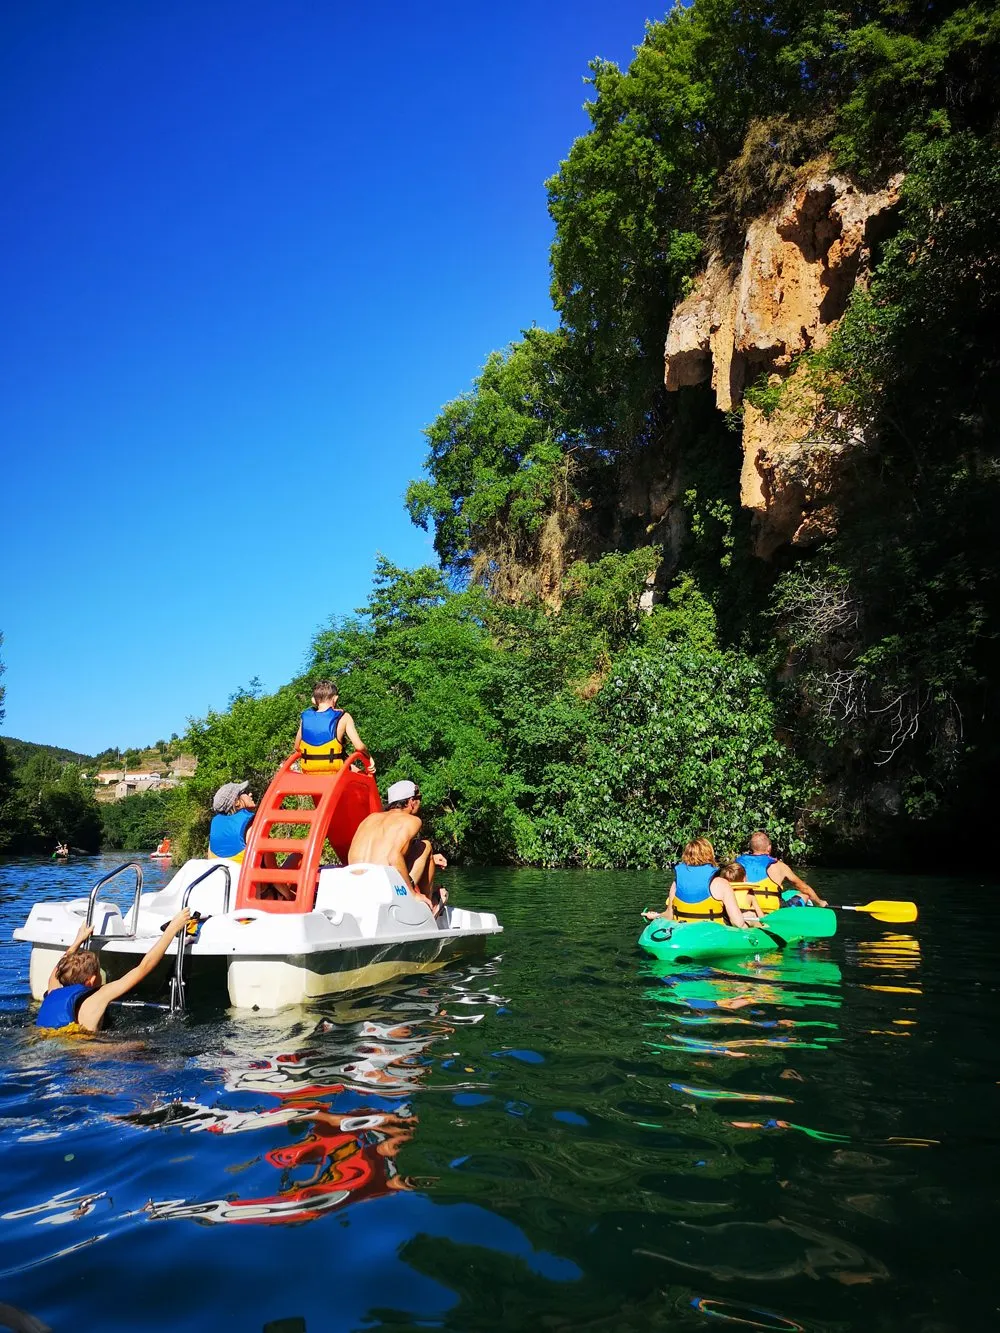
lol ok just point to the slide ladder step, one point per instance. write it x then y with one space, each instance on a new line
341 801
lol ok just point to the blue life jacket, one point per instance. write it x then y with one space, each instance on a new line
227 835
756 864
691 882
321 751
693 899
58 1009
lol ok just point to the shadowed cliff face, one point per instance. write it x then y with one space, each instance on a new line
742 322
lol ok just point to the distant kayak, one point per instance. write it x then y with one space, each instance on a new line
689 941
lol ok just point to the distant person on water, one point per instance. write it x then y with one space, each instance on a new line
233 806
322 730
390 837
76 997
701 891
61 852
764 869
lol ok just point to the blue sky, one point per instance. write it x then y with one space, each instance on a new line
248 250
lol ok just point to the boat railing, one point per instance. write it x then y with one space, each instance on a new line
177 998
105 879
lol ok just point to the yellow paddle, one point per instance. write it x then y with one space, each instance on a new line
884 909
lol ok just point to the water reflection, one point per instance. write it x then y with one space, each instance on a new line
330 1119
566 1136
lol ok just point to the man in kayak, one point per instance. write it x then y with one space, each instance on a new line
390 838
76 997
764 870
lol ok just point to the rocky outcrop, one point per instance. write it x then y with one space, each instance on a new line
743 321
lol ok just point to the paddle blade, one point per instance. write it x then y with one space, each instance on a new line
883 909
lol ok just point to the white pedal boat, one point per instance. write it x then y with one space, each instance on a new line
345 928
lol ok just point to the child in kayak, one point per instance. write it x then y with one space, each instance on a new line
766 870
76 997
701 891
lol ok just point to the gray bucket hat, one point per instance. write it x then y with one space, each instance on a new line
227 796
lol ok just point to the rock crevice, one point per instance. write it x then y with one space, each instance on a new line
800 264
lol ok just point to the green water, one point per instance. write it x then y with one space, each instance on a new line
562 1135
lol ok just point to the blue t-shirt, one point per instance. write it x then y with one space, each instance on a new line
227 835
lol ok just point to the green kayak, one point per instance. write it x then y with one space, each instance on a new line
689 941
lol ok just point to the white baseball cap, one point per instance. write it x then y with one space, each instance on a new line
400 791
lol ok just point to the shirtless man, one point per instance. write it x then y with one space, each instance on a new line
389 838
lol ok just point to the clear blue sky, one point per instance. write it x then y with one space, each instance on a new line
248 249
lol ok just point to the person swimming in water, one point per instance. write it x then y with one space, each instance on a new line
77 997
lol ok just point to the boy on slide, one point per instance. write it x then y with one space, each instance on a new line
323 728
76 997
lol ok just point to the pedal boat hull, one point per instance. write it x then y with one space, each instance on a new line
366 928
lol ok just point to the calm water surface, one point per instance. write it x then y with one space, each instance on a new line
564 1135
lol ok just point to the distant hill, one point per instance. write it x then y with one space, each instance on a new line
21 751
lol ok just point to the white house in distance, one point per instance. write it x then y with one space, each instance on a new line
126 784
142 782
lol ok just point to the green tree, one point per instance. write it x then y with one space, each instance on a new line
679 743
499 464
137 823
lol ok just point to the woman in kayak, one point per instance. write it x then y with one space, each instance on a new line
701 891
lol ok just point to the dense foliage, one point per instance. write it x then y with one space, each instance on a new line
43 798
589 736
48 802
137 823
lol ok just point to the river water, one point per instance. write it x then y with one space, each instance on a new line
563 1135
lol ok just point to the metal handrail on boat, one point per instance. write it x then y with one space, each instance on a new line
204 875
92 901
177 980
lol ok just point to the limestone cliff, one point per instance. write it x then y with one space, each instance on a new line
744 320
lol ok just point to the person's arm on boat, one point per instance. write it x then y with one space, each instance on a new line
409 827
297 748
668 910
351 732
805 889
83 934
418 867
91 1011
